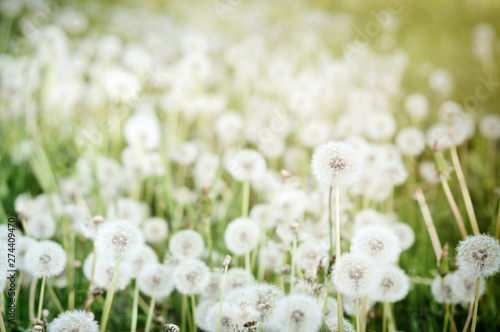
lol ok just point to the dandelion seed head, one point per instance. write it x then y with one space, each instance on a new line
74 321
489 126
238 278
446 289
118 239
191 277
246 165
45 259
155 230
405 234
379 242
417 106
41 226
410 141
335 163
479 255
145 256
187 244
156 280
296 313
142 130
333 324
310 254
393 285
241 236
355 274
104 272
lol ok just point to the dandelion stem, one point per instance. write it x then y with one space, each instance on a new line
209 242
90 295
497 232
340 312
384 317
247 262
476 301
363 313
358 325
262 233
469 317
20 282
193 307
53 295
292 275
2 324
330 219
34 281
183 312
71 270
326 295
133 326
453 205
150 314
464 189
221 297
246 198
40 300
109 298
429 224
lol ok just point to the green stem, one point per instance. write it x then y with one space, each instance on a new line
453 206
135 303
109 298
150 314
53 295
358 325
71 271
221 297
363 313
34 282
384 318
246 198
476 301
183 312
40 301
326 295
193 307
465 191
292 276
209 242
340 312
497 232
263 229
330 222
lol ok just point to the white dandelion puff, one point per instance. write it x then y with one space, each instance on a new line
156 280
186 243
246 165
155 230
335 163
355 274
393 285
296 313
191 277
379 242
479 255
74 321
241 236
41 226
45 259
118 239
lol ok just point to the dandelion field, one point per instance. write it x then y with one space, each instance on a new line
249 166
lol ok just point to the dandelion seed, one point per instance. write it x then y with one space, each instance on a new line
333 324
41 226
379 242
246 165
